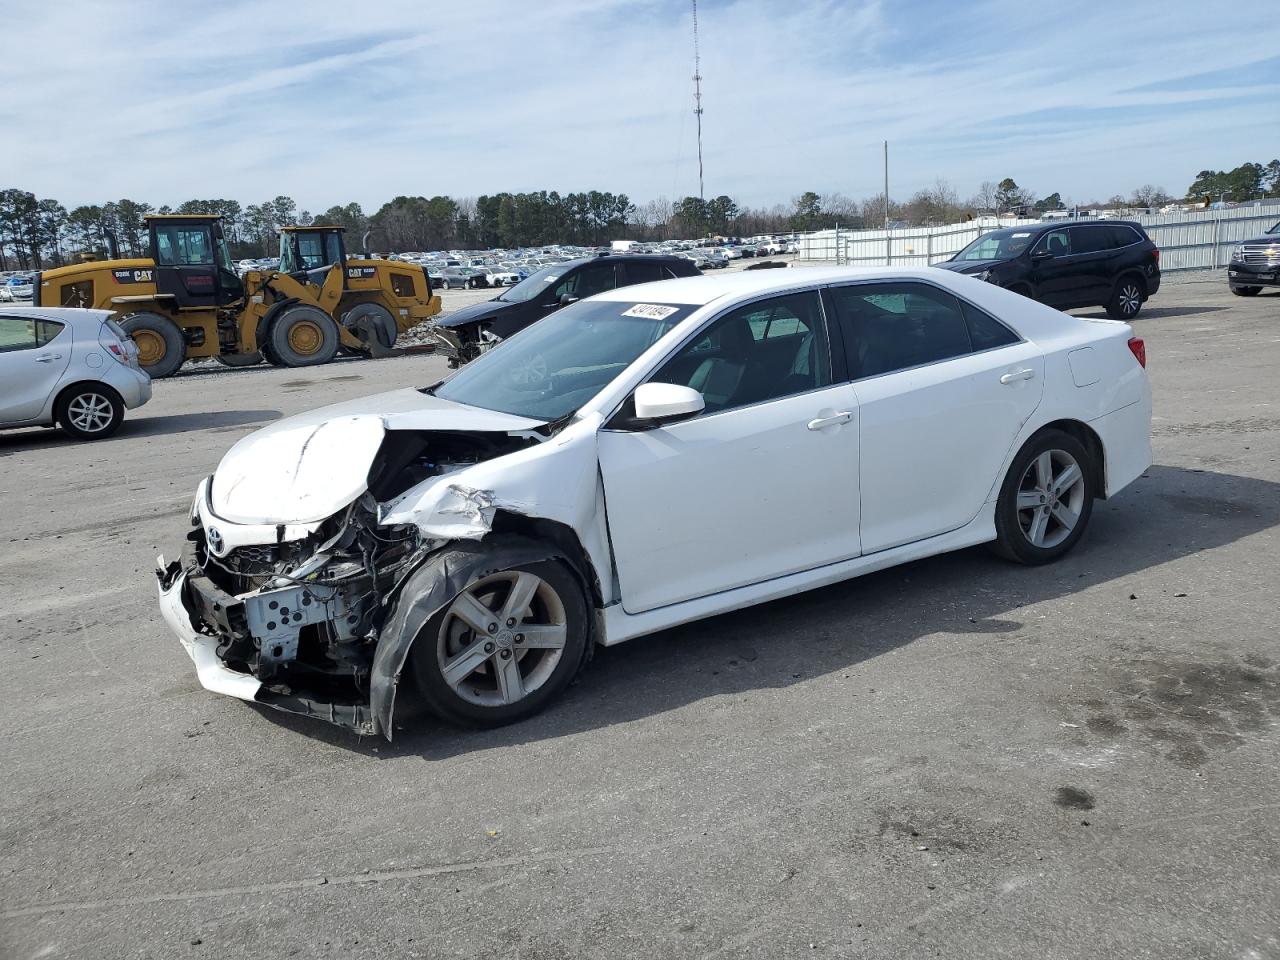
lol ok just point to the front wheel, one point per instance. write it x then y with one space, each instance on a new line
505 646
1046 499
1126 299
302 336
1246 291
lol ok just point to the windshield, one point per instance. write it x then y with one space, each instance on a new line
532 285
552 368
997 245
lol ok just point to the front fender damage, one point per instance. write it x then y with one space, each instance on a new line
437 514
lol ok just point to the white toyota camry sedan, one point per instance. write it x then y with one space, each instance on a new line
647 457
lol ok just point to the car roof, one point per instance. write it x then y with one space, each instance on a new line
65 314
706 288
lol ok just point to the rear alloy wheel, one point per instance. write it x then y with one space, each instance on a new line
90 412
161 348
1126 299
302 336
504 646
1046 499
1246 291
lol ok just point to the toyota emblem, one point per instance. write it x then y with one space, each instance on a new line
214 536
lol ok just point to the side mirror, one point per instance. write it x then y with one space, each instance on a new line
566 299
660 403
1042 255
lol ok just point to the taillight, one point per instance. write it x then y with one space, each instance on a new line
108 340
1155 251
1139 350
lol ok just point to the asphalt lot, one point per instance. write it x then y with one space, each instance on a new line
956 758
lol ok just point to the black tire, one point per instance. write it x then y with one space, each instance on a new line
239 359
1126 298
89 411
302 336
161 347
432 645
1246 291
1013 541
374 326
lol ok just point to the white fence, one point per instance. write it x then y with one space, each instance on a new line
1202 240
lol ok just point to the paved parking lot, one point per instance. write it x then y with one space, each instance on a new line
956 758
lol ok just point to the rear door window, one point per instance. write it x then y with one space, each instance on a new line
897 326
1091 239
1122 236
644 271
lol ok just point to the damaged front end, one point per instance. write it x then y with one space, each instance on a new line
294 615
463 343
292 624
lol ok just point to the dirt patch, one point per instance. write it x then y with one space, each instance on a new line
1073 798
1186 711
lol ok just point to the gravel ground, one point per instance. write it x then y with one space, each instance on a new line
956 758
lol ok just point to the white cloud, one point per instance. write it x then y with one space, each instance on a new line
331 101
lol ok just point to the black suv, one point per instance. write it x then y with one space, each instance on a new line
1109 263
465 334
1255 264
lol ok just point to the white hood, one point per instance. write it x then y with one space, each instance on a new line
307 467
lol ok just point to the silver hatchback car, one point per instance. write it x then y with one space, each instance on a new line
76 368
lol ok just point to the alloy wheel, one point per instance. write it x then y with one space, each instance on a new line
1050 498
1130 299
502 638
90 412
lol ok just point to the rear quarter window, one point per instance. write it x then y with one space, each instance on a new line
1124 236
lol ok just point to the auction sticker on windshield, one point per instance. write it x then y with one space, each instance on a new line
650 311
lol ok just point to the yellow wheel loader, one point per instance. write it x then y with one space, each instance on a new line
186 300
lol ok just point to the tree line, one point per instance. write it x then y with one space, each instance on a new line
38 233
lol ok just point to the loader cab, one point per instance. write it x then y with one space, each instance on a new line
307 253
192 261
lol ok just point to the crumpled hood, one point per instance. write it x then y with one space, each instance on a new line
477 311
307 467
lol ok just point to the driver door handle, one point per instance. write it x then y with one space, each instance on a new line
1026 373
48 357
830 421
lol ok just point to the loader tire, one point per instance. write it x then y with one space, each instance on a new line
161 347
302 336
239 359
374 326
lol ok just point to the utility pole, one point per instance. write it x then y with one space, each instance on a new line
888 244
697 97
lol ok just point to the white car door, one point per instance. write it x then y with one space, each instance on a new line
34 353
761 484
943 390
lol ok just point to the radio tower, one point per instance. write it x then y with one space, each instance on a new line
697 96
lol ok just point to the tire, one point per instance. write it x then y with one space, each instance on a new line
89 411
1016 529
1246 291
302 336
239 359
479 697
374 326
161 347
1126 298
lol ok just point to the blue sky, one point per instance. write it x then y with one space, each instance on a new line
334 100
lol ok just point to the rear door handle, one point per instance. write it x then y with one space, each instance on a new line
48 357
830 421
1024 374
